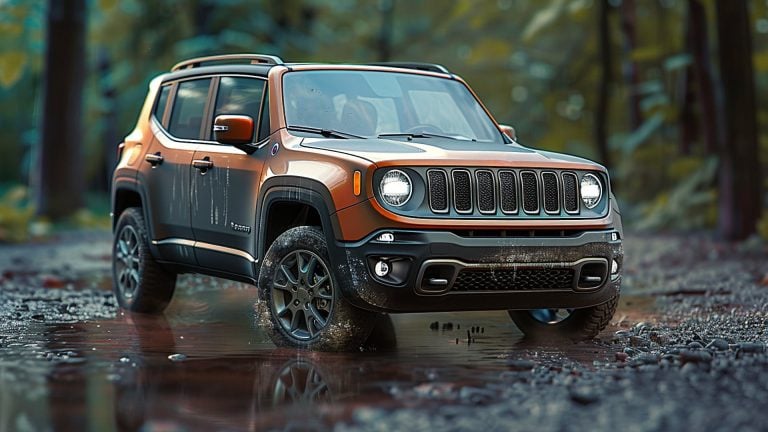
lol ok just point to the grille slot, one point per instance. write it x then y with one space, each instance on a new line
438 191
570 193
508 185
535 279
530 191
551 192
486 191
462 191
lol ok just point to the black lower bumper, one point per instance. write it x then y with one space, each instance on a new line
434 271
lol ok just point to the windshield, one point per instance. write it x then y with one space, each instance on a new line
372 104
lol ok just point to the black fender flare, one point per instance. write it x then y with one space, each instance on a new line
297 190
131 185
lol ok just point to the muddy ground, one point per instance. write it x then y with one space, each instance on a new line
686 351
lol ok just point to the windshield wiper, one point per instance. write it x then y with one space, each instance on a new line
330 133
424 135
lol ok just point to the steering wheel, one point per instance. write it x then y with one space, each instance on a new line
424 128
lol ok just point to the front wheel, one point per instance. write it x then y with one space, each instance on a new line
576 324
300 289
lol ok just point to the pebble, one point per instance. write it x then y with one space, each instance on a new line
751 347
520 365
177 357
695 357
584 395
621 356
718 344
695 345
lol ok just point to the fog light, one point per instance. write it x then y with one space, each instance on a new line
614 268
381 268
386 237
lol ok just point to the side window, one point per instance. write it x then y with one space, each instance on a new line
241 96
264 127
162 101
188 107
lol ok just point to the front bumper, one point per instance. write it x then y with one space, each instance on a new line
435 271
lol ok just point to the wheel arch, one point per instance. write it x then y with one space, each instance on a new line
292 195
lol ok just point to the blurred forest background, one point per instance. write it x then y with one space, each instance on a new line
669 94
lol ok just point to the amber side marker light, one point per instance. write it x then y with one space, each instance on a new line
356 183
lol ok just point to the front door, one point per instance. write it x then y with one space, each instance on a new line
225 182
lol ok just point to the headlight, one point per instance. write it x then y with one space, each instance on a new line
395 188
591 190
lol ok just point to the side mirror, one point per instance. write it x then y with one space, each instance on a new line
233 129
508 131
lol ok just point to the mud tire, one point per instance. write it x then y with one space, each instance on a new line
581 324
153 286
346 328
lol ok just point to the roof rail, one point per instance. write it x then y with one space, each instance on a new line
430 67
253 58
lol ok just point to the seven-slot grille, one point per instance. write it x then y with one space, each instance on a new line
510 192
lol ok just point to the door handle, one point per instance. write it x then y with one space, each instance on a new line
154 159
203 164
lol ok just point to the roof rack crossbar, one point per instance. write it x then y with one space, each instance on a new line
429 67
253 58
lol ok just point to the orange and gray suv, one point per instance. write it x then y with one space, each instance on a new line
348 191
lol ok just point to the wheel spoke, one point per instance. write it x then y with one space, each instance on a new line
308 322
283 312
316 315
310 270
319 282
287 273
299 263
295 321
321 294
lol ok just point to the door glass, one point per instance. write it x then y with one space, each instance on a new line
239 96
162 101
188 107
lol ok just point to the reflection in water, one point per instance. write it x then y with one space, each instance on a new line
205 366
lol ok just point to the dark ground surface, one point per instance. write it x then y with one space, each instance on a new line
686 351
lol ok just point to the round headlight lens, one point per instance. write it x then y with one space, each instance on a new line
395 188
591 190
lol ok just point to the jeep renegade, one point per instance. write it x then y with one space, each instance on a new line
348 191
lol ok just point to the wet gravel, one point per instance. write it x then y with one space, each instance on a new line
688 350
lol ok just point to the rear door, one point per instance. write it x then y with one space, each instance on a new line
167 168
226 182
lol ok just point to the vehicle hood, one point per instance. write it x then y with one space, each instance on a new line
448 152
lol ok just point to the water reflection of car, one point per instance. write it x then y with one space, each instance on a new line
348 191
278 389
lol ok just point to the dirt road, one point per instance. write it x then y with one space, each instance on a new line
686 351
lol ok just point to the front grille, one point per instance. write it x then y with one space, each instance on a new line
462 191
514 279
551 193
438 191
500 192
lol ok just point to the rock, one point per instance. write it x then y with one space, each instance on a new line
695 345
718 344
637 341
177 357
646 358
520 365
584 395
621 356
695 357
751 347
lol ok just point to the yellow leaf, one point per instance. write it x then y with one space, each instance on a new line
11 65
761 61
544 18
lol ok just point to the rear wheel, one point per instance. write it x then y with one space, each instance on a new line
305 306
140 284
576 324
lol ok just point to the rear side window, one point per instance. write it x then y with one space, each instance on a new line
241 96
162 101
188 108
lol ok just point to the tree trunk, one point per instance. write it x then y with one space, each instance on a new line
60 161
601 111
384 42
631 75
739 173
697 41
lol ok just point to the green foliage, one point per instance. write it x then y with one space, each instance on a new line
534 63
15 215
